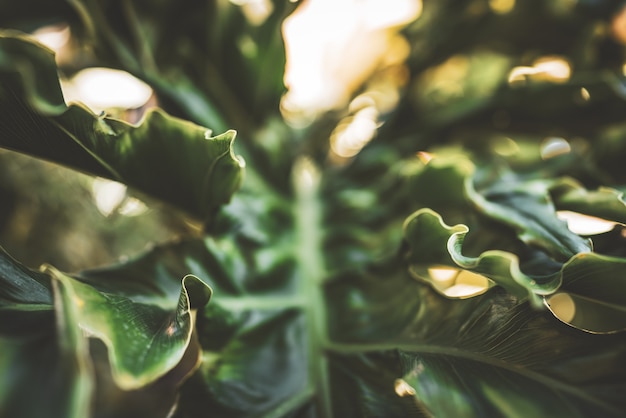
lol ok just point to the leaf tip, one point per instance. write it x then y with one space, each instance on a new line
197 291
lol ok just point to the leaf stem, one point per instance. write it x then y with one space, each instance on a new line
309 244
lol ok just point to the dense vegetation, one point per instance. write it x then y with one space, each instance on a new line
427 271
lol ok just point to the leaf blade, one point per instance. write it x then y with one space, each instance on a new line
196 172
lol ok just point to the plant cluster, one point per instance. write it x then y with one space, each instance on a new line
430 273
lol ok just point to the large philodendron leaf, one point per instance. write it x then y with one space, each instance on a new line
149 346
381 331
265 335
168 158
281 339
344 347
254 334
43 355
144 340
486 356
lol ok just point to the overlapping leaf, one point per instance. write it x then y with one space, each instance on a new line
195 172
587 283
462 358
38 358
526 207
522 207
433 244
257 343
592 297
605 202
145 339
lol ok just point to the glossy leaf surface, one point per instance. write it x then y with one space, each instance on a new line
145 340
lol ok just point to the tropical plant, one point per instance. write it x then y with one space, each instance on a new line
425 272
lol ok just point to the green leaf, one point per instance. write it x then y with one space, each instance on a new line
149 344
195 172
605 202
144 341
253 333
255 363
43 355
377 327
526 207
593 296
20 284
585 292
25 299
156 399
433 244
452 185
486 356
210 56
446 174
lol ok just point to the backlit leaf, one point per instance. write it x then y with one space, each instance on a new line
195 172
592 297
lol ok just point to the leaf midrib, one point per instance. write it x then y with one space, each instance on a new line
309 254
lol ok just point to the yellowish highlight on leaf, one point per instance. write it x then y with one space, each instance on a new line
501 6
307 175
54 37
519 74
353 134
562 306
554 146
618 26
584 94
104 88
457 283
108 195
79 302
425 157
111 197
550 68
553 68
402 388
468 284
505 146
582 224
255 11
443 276
132 207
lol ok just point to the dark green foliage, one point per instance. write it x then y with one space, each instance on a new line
309 286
